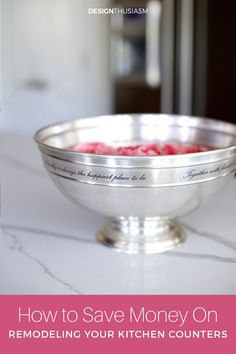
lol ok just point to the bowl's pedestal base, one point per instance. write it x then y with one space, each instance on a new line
136 235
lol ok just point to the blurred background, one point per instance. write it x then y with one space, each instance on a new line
60 62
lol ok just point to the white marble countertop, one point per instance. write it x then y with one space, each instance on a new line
49 245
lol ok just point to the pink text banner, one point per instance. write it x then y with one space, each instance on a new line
118 324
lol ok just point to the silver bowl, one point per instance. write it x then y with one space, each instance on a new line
141 196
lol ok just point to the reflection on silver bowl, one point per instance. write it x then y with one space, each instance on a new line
140 195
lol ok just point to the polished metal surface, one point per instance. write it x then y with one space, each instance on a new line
140 195
149 235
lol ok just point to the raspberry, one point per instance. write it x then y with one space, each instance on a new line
138 150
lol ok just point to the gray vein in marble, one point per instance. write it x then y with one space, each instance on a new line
211 257
47 233
211 236
23 166
17 246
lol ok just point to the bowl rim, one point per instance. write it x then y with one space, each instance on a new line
230 126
